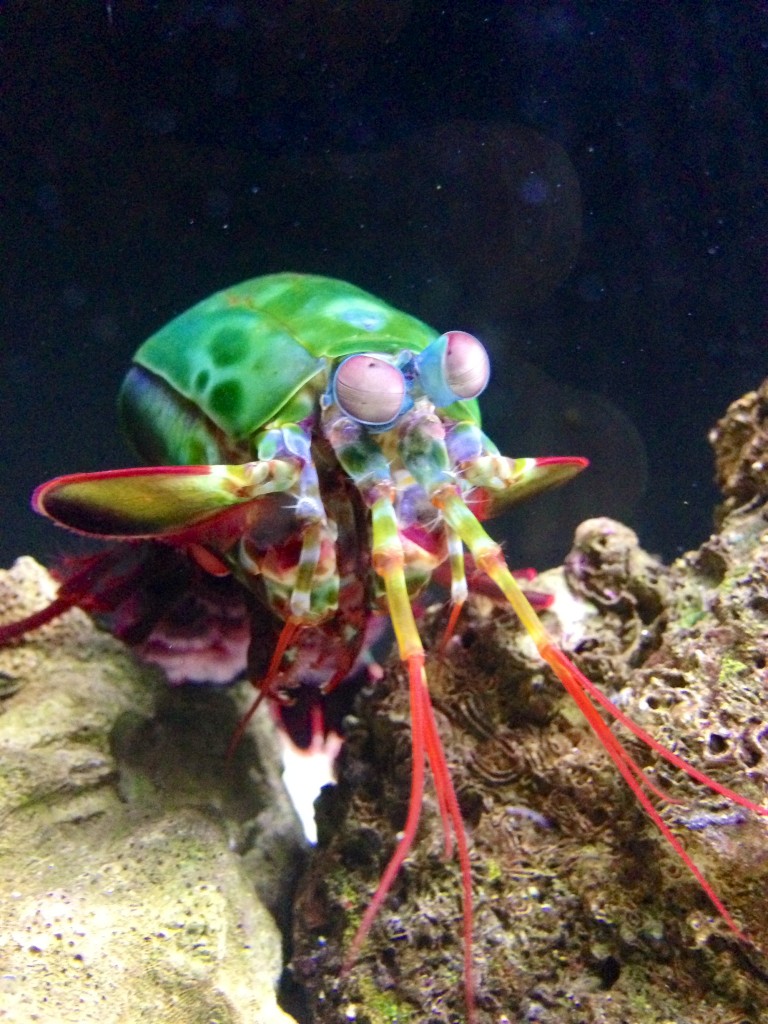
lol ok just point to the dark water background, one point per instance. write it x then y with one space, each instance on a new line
581 184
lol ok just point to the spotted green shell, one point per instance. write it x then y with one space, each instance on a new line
241 356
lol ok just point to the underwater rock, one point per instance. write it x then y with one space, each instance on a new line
583 915
131 850
740 440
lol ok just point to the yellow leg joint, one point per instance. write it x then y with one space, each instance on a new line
488 556
388 561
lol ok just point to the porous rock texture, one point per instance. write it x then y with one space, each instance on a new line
583 915
137 864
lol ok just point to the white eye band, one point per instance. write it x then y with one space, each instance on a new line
369 389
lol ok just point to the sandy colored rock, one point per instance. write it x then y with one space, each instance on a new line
131 851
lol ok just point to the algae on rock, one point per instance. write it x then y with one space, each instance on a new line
131 851
582 913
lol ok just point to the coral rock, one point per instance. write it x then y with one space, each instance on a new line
582 913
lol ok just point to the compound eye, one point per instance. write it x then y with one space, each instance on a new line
453 367
369 389
466 365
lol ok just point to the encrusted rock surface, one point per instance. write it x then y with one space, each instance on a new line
131 851
582 913
740 440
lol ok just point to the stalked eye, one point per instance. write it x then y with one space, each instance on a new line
466 364
369 389
452 367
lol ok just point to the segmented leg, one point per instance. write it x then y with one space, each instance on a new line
305 591
388 561
316 567
459 588
365 463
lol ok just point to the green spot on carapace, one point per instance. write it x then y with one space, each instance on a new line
226 398
228 347
202 380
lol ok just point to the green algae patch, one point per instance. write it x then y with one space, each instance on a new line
381 1007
